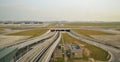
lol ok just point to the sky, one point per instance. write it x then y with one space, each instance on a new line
60 10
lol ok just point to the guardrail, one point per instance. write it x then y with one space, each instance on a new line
38 52
47 56
36 40
31 43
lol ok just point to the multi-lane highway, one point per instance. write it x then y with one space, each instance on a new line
36 49
46 57
41 51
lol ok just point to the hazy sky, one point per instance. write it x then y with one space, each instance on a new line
72 10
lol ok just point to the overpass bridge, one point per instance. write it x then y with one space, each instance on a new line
60 29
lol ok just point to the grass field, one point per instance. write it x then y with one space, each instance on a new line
34 32
96 53
60 60
91 32
93 24
1 29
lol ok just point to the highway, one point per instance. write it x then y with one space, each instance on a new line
41 50
35 40
46 57
114 52
28 40
29 43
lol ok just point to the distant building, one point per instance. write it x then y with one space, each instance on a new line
20 22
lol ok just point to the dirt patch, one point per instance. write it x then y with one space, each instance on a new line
86 52
91 60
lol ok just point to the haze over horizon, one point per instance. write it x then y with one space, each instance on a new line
56 10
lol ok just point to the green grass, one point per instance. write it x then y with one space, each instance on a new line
60 60
93 24
96 52
91 32
1 29
34 32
